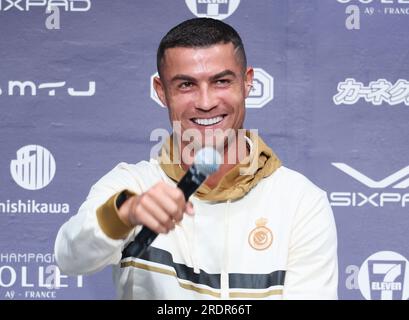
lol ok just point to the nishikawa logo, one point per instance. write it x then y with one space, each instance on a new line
397 180
34 167
217 9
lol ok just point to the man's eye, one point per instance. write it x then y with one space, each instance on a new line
186 85
223 82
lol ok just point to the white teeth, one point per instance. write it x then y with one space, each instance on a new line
208 122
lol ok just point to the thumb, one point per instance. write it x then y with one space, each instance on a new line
189 208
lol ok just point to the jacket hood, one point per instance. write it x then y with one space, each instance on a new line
239 180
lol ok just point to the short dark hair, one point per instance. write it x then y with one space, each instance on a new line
198 33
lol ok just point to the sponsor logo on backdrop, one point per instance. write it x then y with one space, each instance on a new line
22 88
382 276
33 276
372 8
51 8
388 191
217 9
27 5
377 92
262 91
33 169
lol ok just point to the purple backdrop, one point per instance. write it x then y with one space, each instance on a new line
331 98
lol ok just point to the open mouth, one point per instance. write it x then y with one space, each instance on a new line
208 121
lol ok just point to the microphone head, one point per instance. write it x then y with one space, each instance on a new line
207 161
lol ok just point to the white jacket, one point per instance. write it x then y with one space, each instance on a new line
277 242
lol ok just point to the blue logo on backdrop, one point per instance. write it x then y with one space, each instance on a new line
383 276
217 9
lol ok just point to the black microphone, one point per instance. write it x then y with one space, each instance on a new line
206 162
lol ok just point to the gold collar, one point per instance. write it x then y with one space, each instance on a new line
234 185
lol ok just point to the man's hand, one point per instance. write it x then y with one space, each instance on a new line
159 208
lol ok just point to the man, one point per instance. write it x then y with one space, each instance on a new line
268 233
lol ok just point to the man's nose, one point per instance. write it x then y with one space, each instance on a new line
206 99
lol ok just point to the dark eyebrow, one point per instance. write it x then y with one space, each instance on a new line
223 74
184 77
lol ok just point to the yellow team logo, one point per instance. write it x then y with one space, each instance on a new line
261 237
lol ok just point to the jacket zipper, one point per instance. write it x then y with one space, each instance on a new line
224 277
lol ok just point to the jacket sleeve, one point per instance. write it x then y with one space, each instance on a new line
83 244
312 270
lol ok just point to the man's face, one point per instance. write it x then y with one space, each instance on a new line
204 88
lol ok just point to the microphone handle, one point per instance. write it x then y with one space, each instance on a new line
189 183
138 246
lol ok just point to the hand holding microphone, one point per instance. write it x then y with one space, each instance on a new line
159 208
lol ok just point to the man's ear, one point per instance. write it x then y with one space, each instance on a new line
249 76
160 90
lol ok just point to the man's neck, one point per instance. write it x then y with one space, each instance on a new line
213 180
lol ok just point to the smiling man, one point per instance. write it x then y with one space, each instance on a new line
204 82
268 233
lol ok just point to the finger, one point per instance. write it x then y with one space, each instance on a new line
151 206
169 205
151 222
189 208
174 193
